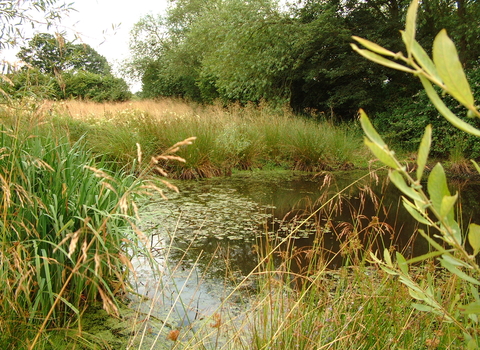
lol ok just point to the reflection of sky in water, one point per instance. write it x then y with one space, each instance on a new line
215 226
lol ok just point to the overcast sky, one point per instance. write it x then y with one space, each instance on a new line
93 20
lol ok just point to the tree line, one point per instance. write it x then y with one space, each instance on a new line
297 54
55 68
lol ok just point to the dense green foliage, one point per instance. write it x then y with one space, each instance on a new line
432 204
244 51
55 55
404 122
58 69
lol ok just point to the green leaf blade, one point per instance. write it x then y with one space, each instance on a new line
474 237
423 151
450 69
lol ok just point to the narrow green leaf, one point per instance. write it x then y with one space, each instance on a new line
369 130
374 47
455 261
437 186
384 155
447 205
443 109
410 26
399 182
387 257
472 308
450 69
415 212
477 167
416 295
381 60
474 237
424 257
402 263
432 242
425 62
422 307
423 151
453 269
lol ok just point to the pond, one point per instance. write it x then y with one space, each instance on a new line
214 230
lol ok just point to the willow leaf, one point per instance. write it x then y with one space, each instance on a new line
372 56
423 151
443 109
369 130
374 47
450 69
474 237
410 27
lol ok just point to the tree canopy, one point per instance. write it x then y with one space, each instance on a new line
236 50
58 69
53 54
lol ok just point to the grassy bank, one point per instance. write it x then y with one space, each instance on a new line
70 173
67 231
227 138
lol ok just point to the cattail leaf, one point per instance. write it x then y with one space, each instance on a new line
374 47
410 26
474 237
399 182
372 56
450 69
423 151
443 109
437 186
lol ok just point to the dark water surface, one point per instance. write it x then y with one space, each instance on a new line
214 230
226 219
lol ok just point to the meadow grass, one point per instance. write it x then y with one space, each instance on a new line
67 230
69 176
228 138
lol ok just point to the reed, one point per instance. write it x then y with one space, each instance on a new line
67 230
228 139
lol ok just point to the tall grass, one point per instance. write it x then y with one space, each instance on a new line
227 138
299 301
67 230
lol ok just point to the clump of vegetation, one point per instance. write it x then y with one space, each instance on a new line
253 137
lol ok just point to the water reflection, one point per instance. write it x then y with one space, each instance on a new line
228 220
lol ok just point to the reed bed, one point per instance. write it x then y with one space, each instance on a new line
67 231
228 138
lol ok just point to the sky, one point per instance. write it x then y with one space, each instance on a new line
93 21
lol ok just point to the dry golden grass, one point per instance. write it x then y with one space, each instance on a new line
155 108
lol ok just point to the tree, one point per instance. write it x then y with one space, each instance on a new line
238 50
15 13
53 54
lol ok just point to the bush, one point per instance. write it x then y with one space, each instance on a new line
95 87
405 121
85 85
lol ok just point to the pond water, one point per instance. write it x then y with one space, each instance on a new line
214 230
